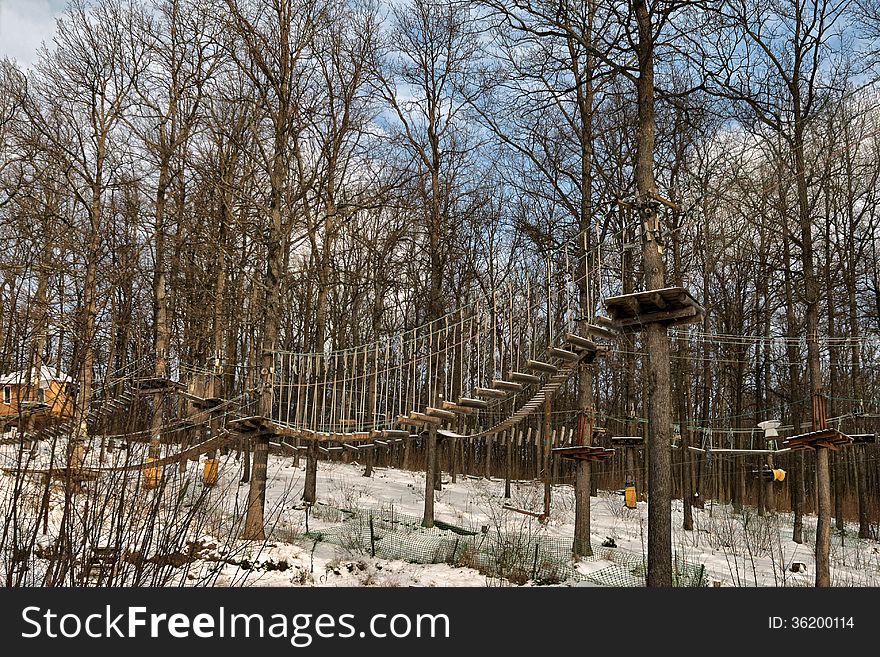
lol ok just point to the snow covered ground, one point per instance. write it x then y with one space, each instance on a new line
736 549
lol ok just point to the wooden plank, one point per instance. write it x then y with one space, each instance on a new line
441 413
455 408
403 419
522 377
579 341
564 354
473 403
510 386
584 452
541 366
490 392
428 419
663 317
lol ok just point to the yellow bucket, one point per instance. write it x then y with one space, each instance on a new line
778 475
210 472
629 497
152 474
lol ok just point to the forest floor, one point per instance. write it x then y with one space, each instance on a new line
736 549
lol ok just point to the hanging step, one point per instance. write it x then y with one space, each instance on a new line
410 422
455 408
389 434
441 413
509 386
428 419
579 341
524 378
564 354
542 367
603 328
490 392
473 403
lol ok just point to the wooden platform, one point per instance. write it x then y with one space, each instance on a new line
584 452
829 438
253 424
204 403
670 306
864 438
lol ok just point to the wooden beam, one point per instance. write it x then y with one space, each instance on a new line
541 366
510 386
429 419
658 301
664 316
564 354
579 341
490 392
441 413
522 377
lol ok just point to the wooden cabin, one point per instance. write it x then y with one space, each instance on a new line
47 396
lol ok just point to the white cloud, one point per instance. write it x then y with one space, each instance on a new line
24 25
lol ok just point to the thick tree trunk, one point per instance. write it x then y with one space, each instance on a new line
430 457
310 486
656 338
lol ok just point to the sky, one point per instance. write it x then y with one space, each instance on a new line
24 25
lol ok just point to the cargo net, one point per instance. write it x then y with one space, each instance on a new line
518 558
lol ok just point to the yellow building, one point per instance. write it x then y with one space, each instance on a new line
47 396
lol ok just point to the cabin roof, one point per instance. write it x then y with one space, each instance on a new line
47 375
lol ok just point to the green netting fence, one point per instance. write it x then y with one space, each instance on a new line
517 557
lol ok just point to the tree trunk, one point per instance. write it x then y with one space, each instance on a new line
656 338
586 420
430 456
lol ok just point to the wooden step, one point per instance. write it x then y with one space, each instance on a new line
541 366
490 392
428 419
580 341
602 329
522 377
473 403
564 354
510 386
455 408
389 434
410 422
441 413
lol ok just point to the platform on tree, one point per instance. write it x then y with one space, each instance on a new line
584 452
829 438
670 306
